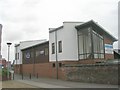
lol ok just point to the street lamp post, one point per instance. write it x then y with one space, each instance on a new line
8 59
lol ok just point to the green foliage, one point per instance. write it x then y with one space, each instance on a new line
4 72
0 72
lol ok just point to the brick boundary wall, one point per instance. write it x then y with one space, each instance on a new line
88 73
102 74
43 70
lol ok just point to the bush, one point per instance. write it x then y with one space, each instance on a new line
4 72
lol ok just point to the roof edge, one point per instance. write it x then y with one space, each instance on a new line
54 29
93 22
35 45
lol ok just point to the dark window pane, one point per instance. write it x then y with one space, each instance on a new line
60 46
53 48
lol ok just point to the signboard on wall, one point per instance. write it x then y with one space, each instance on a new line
108 49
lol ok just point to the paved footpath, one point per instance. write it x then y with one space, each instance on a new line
54 83
16 84
0 85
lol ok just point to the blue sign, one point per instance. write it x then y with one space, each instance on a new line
108 48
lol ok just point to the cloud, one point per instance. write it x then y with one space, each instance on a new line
30 19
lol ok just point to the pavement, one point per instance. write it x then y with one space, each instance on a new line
54 83
0 85
16 84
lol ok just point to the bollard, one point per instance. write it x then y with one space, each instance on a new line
30 75
13 76
37 75
22 76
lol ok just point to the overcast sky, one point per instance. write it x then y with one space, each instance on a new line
30 19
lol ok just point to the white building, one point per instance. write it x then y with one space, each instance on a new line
119 25
0 40
67 34
79 41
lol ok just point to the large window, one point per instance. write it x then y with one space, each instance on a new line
85 45
98 45
90 44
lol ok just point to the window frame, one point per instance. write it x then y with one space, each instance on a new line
46 51
53 48
60 46
95 52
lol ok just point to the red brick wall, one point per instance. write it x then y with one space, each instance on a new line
43 70
109 56
18 68
27 68
107 41
47 69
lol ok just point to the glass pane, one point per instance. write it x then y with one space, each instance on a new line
60 46
81 56
84 44
98 45
46 51
102 55
53 48
81 44
37 53
96 55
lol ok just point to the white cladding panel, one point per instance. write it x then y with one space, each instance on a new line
0 40
119 25
68 36
18 50
51 40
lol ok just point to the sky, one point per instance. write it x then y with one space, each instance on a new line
24 20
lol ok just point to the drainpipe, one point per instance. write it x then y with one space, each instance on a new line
33 53
16 58
56 55
78 45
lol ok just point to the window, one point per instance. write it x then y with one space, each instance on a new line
53 48
18 56
42 52
31 54
15 56
98 48
85 45
60 46
53 65
60 64
46 51
90 45
37 53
